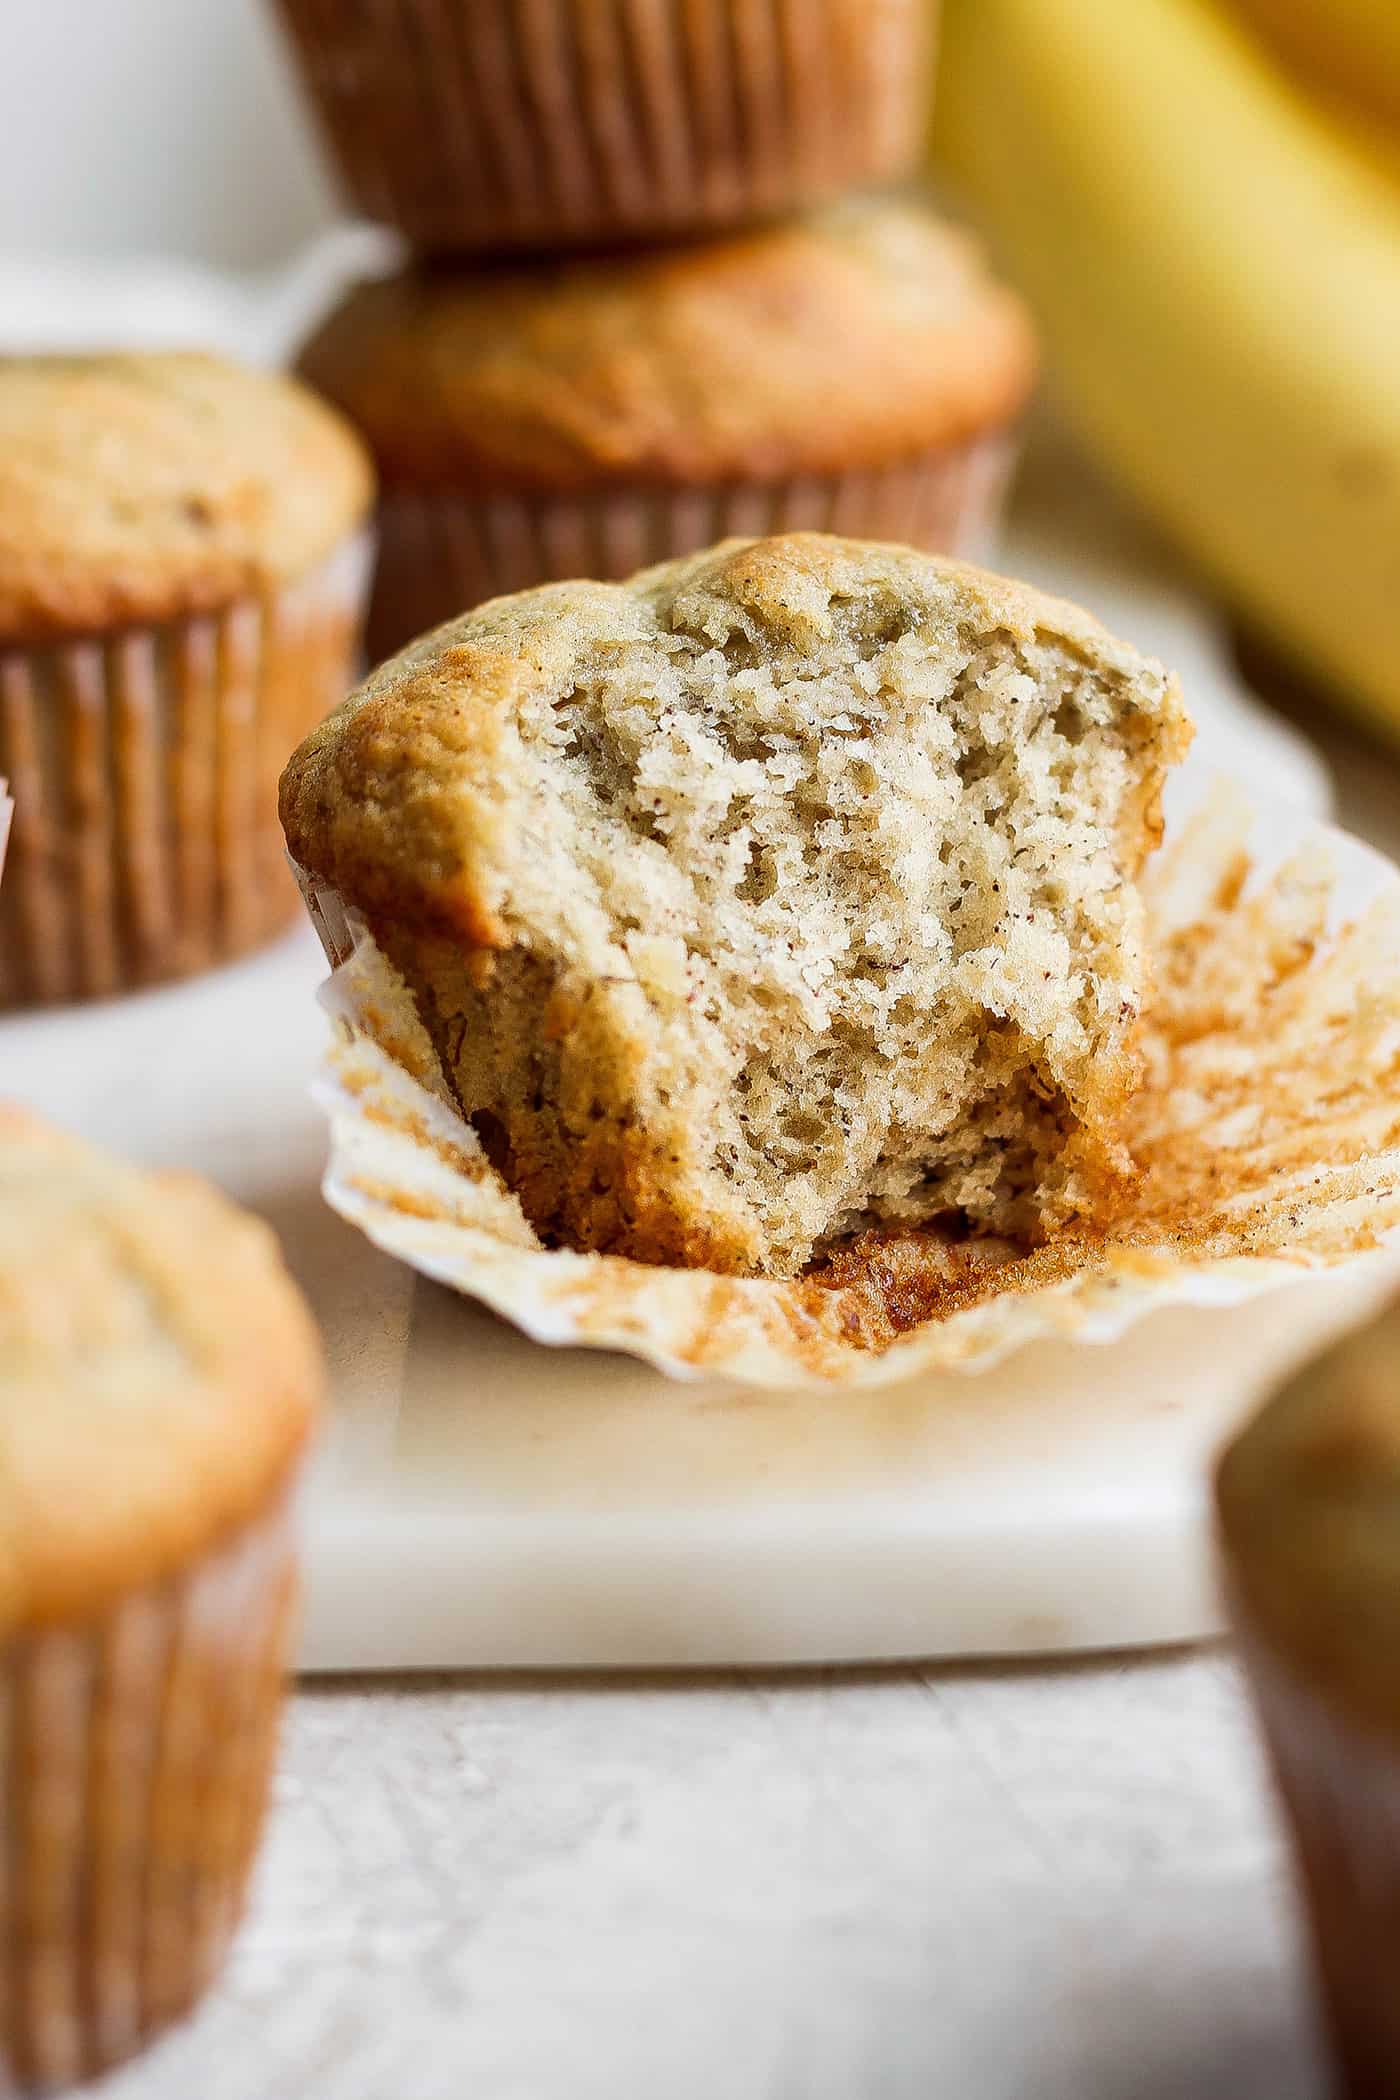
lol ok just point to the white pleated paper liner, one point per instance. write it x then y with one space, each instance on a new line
1267 1132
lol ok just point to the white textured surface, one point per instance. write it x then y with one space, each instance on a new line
509 1509
1051 1885
148 126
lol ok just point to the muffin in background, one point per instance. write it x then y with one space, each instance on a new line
485 124
856 372
1309 1512
182 567
159 1378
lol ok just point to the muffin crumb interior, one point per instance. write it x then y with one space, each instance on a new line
834 905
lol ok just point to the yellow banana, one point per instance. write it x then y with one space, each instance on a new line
1374 141
1347 51
1217 270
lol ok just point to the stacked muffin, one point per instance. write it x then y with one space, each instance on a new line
649 308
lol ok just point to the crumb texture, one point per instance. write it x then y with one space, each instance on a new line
1265 1139
783 894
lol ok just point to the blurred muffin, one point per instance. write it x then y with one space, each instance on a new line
481 124
159 1376
1309 1508
857 372
182 564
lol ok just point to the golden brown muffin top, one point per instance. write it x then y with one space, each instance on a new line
140 487
159 1374
850 339
1309 1504
396 797
762 841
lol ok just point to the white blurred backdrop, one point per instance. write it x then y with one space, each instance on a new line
154 127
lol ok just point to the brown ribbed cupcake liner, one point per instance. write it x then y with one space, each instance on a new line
474 124
137 1753
442 551
144 767
1340 1785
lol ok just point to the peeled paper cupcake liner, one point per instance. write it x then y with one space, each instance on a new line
1340 1785
143 767
7 810
1267 1130
137 1754
442 551
498 125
